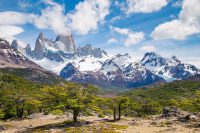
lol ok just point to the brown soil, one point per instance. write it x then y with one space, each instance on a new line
50 123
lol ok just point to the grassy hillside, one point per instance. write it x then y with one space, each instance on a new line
183 94
21 96
23 92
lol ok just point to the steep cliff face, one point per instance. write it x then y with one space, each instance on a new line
39 47
54 50
68 41
25 50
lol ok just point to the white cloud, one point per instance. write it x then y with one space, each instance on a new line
122 31
9 20
134 38
175 29
52 18
12 18
11 30
131 37
144 6
112 41
88 15
148 48
187 24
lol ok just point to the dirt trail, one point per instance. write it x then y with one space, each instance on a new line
21 125
134 125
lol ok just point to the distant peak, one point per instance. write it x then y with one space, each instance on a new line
15 44
88 45
15 41
118 55
41 35
151 53
126 54
175 58
28 46
122 55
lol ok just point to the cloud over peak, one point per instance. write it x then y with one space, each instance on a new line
88 15
52 18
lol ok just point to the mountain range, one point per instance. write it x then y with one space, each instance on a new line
93 65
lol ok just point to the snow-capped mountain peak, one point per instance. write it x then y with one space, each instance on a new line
168 68
153 59
122 60
10 57
41 36
109 66
87 64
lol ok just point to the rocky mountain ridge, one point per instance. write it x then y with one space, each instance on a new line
122 71
93 65
10 57
168 68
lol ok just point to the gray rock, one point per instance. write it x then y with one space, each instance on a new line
2 128
54 50
170 112
39 49
193 117
89 50
10 57
68 41
28 50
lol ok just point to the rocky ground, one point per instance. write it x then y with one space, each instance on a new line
170 121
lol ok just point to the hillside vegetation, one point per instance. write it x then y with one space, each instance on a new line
182 94
20 97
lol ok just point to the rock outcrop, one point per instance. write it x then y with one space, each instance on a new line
89 50
10 57
68 41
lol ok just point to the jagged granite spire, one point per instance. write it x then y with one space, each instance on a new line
41 35
68 41
38 51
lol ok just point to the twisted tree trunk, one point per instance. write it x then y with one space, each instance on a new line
114 113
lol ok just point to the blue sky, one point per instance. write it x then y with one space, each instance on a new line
167 27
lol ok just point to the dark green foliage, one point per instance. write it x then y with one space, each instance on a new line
69 97
183 94
21 96
17 95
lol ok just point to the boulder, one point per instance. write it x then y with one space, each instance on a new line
171 111
2 128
